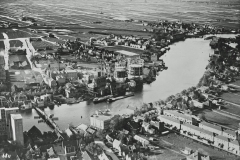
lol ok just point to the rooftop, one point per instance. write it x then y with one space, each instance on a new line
168 118
16 116
103 117
127 53
178 114
235 142
222 138
211 126
199 129
230 132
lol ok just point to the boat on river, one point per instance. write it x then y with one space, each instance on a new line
109 100
102 99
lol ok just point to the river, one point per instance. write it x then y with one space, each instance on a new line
186 62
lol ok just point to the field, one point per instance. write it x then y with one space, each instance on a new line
177 142
83 13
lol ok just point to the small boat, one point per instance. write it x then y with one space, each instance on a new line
120 97
101 99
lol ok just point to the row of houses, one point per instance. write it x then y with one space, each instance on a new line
207 133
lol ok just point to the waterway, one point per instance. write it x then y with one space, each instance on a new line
186 63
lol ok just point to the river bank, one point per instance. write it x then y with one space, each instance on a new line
186 66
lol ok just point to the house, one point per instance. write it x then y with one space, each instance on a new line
221 142
229 134
142 140
68 132
91 131
211 127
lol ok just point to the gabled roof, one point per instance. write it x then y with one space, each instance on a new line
177 114
34 131
168 118
212 126
198 129
233 133
222 138
90 130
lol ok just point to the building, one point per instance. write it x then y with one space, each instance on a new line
170 122
71 74
2 71
221 142
120 72
195 131
158 126
61 80
147 127
100 121
116 144
8 112
229 134
3 127
181 117
17 128
211 127
234 147
142 140
135 70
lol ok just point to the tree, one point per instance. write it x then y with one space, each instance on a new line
184 92
116 123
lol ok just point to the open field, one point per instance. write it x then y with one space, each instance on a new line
231 97
178 142
220 119
84 13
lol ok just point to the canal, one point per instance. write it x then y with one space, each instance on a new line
186 62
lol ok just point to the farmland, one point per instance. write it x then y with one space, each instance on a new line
84 13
